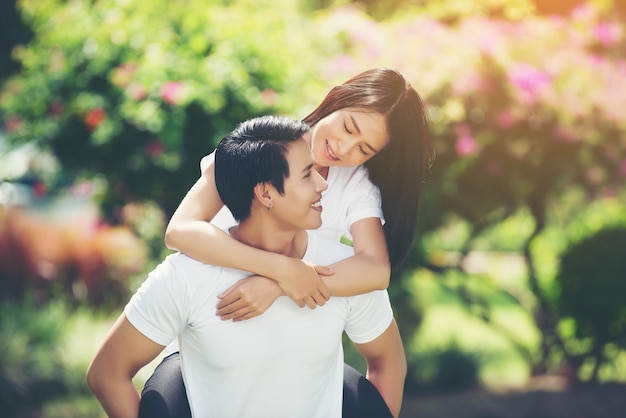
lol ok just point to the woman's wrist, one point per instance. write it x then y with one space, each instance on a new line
273 265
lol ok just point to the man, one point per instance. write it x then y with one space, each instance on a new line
287 362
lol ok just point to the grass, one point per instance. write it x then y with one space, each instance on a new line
448 324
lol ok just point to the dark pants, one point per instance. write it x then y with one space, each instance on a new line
164 394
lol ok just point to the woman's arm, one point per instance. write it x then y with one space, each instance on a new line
190 232
369 268
364 272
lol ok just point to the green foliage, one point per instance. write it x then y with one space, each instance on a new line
140 90
449 369
30 368
591 279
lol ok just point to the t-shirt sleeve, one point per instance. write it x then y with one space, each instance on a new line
370 315
158 308
206 161
365 200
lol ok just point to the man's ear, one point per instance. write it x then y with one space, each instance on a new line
263 194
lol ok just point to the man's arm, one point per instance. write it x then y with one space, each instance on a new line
124 351
386 366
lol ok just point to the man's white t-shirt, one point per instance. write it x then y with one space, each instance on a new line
287 362
350 197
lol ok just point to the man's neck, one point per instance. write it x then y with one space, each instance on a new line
266 237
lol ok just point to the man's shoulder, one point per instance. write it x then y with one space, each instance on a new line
190 269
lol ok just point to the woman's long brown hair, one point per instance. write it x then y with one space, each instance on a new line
399 169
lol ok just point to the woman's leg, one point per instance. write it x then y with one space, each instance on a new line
361 399
164 394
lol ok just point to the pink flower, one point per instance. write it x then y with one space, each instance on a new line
95 118
530 80
83 189
465 145
469 82
136 91
584 12
565 133
172 92
622 168
123 74
269 97
607 33
505 119
341 64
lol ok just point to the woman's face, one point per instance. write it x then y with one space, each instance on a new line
348 137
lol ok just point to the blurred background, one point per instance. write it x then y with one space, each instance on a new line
512 303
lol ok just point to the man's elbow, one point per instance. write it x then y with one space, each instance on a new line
98 375
403 367
93 379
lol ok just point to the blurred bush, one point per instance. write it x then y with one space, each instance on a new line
31 372
447 369
139 91
592 286
523 112
520 110
79 259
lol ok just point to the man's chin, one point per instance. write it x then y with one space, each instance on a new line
314 225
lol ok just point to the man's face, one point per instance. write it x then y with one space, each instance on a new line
300 207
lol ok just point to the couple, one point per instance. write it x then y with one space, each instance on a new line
287 362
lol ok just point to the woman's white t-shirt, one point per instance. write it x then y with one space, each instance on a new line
350 197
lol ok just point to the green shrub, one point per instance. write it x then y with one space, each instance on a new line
138 91
592 287
30 369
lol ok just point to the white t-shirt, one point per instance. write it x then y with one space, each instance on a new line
287 362
350 197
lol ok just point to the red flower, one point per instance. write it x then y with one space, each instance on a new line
95 118
154 148
13 123
39 189
56 108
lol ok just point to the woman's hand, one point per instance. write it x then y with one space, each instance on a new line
247 298
302 283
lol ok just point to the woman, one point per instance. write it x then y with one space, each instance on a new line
370 141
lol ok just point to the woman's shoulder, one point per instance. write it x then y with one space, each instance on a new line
346 176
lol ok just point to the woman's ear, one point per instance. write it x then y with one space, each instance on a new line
262 193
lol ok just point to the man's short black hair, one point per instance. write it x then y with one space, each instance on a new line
251 154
